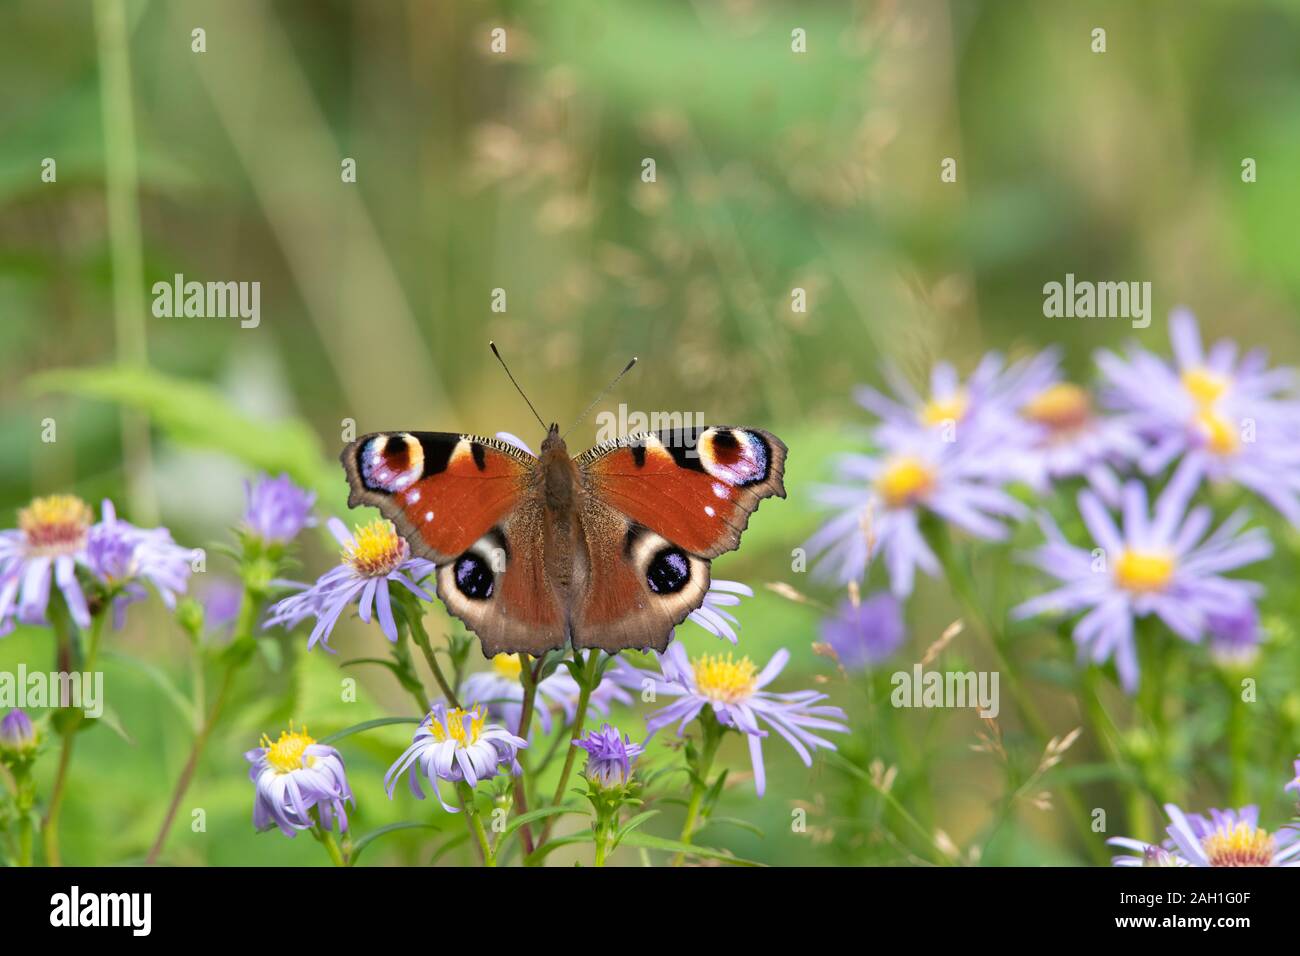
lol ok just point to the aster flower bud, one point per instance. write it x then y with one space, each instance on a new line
17 733
609 757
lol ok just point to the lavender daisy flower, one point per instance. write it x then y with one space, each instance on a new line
293 775
609 757
734 690
277 509
986 400
1224 838
374 559
1063 435
1236 420
501 693
1294 784
881 509
865 633
125 558
17 733
1234 634
1160 564
47 546
711 616
455 745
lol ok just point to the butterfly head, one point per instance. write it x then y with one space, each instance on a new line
553 439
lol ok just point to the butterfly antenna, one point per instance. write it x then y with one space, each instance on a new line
493 347
603 392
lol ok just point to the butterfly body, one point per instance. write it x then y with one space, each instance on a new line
610 549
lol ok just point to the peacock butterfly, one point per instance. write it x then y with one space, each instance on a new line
608 550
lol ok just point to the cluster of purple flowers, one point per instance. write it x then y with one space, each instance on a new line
58 544
952 456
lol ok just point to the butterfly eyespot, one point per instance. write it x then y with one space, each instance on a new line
669 571
735 456
474 577
391 463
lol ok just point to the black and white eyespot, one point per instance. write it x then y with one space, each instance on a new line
666 568
475 571
474 577
669 571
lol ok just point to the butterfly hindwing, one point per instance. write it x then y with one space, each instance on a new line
638 585
499 587
694 487
443 491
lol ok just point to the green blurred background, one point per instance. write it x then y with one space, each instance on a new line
522 171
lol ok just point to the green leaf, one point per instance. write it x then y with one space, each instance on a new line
200 416
733 822
649 842
447 847
374 835
540 814
632 824
543 851
368 725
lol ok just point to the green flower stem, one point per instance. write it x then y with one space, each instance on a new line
1103 727
475 822
326 839
238 654
1238 745
529 680
964 589
121 180
421 638
66 663
579 718
713 732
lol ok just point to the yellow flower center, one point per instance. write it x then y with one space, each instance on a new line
455 726
1241 845
904 481
1204 385
1144 571
1061 407
1220 434
939 410
376 550
55 525
723 679
286 754
507 666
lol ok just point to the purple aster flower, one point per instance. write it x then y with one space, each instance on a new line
711 616
17 733
47 546
1064 437
1160 564
609 757
501 693
125 558
865 633
376 557
1235 419
455 745
986 401
734 690
1224 838
222 599
278 509
1234 633
1294 784
293 775
881 508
